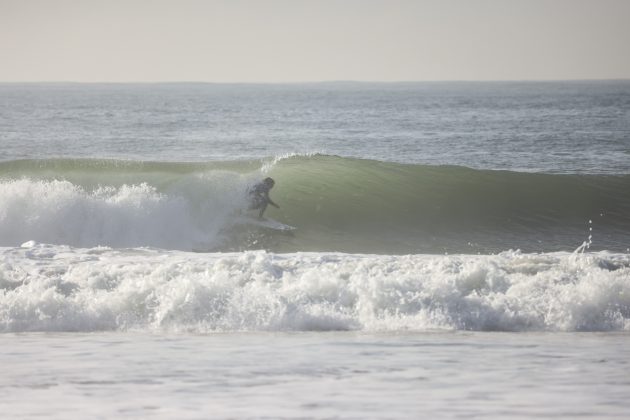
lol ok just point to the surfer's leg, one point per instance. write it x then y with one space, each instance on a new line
263 207
255 203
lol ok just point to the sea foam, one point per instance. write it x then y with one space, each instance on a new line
58 288
189 212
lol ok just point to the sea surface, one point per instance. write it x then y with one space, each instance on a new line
460 250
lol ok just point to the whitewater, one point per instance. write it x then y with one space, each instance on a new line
461 250
53 288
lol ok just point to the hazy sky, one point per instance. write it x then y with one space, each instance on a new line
294 40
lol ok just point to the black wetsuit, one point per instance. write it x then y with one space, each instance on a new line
259 197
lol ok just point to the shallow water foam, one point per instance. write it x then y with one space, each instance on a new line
58 288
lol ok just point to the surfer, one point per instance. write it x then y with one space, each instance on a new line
259 196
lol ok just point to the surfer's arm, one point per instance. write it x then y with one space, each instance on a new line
270 201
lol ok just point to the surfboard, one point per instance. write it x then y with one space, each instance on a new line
268 223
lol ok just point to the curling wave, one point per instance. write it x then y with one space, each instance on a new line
337 204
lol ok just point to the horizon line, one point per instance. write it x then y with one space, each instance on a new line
307 82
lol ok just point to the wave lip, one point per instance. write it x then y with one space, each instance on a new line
57 288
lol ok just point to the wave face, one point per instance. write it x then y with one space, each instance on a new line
58 288
337 204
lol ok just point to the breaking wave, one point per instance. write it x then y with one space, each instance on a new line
337 204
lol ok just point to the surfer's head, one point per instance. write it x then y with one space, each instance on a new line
269 182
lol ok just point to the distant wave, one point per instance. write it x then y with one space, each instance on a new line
57 288
337 204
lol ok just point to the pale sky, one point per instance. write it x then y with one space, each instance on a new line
309 40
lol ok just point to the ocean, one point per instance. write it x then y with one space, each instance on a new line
460 250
